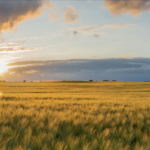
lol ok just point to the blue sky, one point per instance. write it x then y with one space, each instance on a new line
81 30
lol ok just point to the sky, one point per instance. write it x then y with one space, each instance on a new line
75 40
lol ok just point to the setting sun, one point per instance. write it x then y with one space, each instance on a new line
3 67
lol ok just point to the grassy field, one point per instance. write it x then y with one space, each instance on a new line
75 116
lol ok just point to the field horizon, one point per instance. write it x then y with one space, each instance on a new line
37 81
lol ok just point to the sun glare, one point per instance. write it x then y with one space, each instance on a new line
3 67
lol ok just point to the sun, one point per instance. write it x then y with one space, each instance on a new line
1 94
3 67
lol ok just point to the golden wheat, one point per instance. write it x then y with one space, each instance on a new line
75 115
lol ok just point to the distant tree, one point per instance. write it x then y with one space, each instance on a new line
40 81
105 80
90 80
31 81
2 81
114 80
24 80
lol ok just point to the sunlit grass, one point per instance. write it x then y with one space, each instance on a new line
75 116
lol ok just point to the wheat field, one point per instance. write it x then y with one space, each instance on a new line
75 116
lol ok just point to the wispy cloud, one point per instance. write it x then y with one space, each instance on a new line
96 35
93 56
93 30
85 29
54 16
15 47
28 38
30 71
125 56
133 7
71 14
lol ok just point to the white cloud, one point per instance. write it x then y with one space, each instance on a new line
15 47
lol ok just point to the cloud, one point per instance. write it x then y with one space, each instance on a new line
71 14
96 35
12 13
125 56
32 63
30 71
131 69
54 16
75 32
93 56
89 29
133 7
15 47
28 38
85 29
